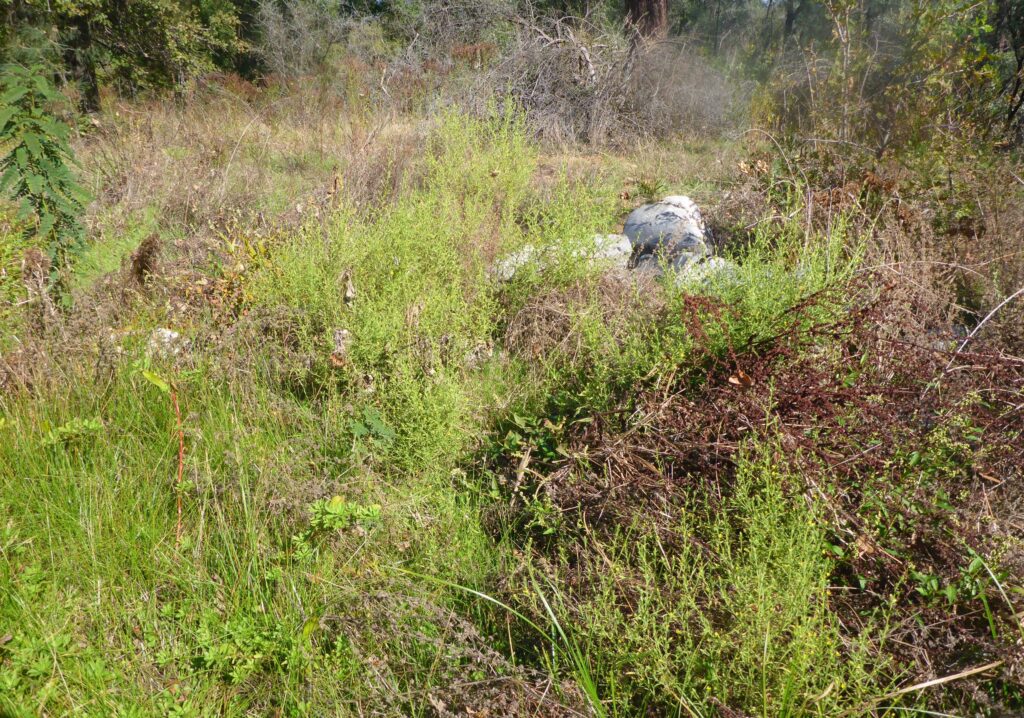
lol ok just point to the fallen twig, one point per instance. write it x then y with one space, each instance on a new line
926 684
981 324
945 679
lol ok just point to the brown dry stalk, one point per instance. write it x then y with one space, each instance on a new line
982 323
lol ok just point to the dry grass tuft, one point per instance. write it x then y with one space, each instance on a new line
144 259
548 324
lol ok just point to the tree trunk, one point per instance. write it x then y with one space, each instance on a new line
1009 24
649 17
789 23
82 63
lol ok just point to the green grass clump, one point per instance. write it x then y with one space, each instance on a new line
424 303
13 244
112 615
738 614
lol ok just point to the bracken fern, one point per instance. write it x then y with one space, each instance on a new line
36 161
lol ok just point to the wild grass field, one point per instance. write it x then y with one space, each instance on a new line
287 446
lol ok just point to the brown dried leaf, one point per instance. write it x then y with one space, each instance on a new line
741 378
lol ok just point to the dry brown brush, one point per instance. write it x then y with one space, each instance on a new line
909 445
578 82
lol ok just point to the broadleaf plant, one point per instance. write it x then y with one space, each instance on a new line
36 163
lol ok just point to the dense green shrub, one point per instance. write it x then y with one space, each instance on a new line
135 46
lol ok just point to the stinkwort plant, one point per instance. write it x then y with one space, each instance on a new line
35 164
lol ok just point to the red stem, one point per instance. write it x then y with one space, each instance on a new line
181 465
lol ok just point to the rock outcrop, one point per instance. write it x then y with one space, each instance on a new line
667 234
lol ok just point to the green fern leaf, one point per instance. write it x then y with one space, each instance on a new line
46 224
8 178
34 182
33 144
5 116
13 95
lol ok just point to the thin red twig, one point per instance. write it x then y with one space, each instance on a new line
181 465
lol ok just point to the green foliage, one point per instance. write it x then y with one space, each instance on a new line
737 614
337 513
240 621
181 40
95 597
947 75
951 72
36 161
423 300
652 190
371 426
329 516
72 432
141 45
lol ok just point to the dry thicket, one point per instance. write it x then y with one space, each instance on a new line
852 405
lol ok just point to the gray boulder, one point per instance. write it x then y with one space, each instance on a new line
702 272
615 249
507 267
669 234
607 250
672 229
166 343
